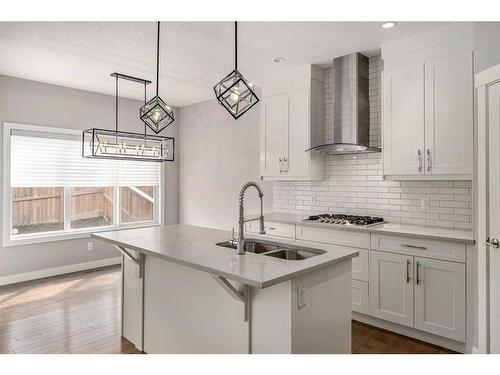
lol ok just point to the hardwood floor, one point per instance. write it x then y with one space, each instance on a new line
80 313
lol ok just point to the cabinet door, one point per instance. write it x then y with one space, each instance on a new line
449 114
296 134
391 284
440 297
272 125
403 115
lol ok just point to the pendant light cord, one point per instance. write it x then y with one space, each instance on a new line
116 103
158 58
235 45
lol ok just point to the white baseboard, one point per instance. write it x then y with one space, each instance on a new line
411 332
40 274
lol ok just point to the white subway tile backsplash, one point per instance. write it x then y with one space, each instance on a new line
354 184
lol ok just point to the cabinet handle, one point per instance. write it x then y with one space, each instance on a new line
285 162
492 243
408 271
428 160
281 165
270 228
418 277
413 246
419 160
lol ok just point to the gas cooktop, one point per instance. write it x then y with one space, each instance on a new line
342 219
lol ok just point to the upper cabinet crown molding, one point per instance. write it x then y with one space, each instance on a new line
291 123
428 112
435 37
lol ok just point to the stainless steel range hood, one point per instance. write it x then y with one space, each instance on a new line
351 130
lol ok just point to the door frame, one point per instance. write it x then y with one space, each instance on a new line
483 80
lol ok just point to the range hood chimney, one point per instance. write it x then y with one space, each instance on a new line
351 126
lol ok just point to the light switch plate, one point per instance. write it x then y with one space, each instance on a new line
301 296
90 246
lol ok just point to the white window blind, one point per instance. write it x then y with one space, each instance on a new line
53 159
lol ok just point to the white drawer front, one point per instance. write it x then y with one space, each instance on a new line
345 237
428 248
360 298
273 229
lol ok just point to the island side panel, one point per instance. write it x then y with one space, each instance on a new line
132 287
323 324
187 311
272 319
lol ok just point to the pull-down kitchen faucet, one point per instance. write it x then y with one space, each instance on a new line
241 221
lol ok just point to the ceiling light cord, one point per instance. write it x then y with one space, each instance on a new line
116 103
235 45
158 59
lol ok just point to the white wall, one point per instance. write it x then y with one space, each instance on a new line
486 42
218 155
35 103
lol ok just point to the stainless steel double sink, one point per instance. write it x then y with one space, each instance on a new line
275 249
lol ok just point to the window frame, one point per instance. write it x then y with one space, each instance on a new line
67 233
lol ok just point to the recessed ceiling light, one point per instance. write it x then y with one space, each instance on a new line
279 59
388 25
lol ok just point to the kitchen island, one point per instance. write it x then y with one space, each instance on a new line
182 293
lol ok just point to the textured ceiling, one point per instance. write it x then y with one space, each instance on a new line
194 55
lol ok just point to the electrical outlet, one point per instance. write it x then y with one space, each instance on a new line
90 246
301 296
425 203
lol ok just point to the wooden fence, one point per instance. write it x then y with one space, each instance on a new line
34 206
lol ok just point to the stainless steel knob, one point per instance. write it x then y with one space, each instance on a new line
493 243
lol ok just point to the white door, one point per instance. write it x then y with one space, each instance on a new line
493 207
296 136
440 297
449 114
403 113
391 287
272 124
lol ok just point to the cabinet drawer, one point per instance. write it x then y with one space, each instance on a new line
359 297
346 237
437 249
273 229
360 266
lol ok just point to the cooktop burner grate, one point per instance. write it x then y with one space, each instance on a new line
343 219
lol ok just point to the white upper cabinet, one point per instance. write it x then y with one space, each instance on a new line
449 113
428 107
291 123
404 119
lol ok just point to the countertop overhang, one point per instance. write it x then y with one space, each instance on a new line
195 247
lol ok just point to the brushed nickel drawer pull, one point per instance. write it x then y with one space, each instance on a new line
271 228
414 246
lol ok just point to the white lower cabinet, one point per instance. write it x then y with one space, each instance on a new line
360 298
426 294
391 295
440 297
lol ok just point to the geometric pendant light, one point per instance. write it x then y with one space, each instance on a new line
116 144
156 113
234 92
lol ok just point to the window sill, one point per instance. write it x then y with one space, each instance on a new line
65 236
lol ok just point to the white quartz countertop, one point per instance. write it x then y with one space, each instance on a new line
389 228
196 247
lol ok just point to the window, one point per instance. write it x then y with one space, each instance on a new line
54 192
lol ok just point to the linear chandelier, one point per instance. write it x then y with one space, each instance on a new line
156 113
116 144
234 92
